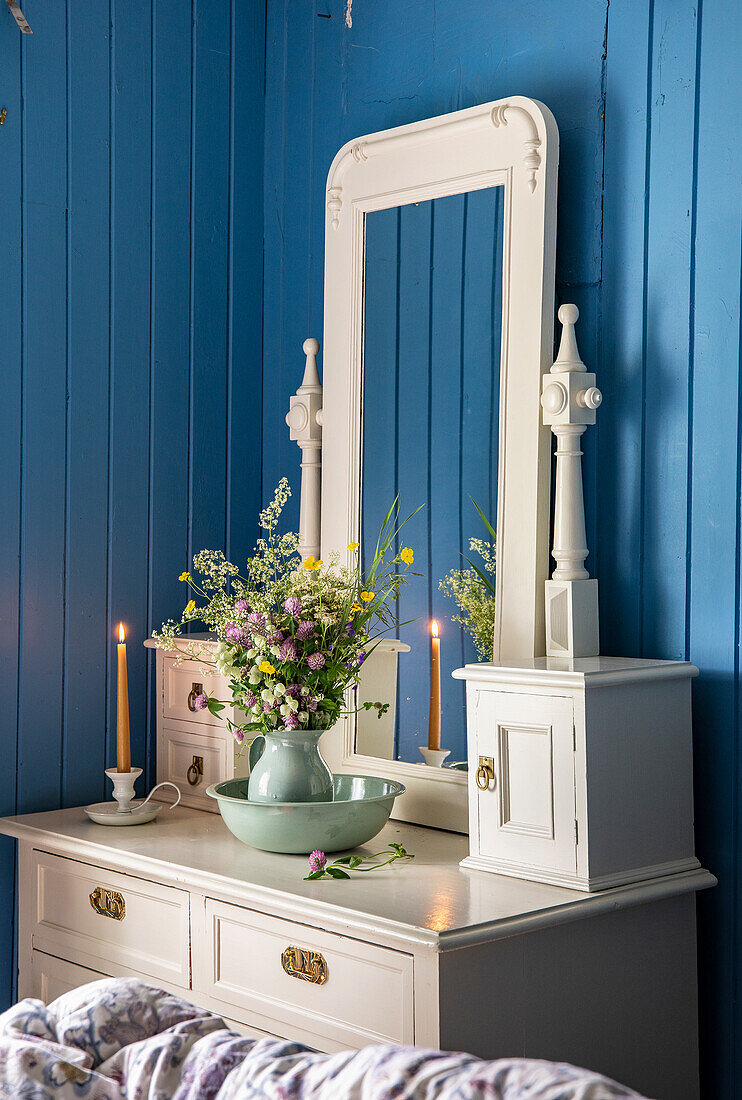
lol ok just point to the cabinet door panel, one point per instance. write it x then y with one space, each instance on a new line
527 815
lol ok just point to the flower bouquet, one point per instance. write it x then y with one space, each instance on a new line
292 638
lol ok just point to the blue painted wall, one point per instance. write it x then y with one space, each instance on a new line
650 218
130 238
131 251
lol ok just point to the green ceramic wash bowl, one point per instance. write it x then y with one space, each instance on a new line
359 810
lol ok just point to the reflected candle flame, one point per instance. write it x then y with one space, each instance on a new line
122 633
434 627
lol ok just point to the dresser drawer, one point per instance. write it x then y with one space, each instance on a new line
181 683
91 916
52 977
193 758
361 993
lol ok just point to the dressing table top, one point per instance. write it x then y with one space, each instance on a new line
429 902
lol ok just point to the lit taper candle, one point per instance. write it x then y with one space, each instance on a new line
123 744
434 721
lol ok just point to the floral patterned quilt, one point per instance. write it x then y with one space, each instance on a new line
119 1039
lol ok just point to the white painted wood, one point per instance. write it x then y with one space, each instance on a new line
413 954
378 681
304 419
527 815
151 939
184 735
569 401
52 977
242 966
512 143
630 781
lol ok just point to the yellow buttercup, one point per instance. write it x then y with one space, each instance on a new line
266 666
367 596
184 576
311 564
353 546
189 607
407 555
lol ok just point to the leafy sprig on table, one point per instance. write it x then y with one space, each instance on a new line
339 868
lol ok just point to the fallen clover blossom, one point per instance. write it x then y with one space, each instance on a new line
320 868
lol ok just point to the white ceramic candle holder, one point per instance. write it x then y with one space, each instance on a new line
123 787
434 757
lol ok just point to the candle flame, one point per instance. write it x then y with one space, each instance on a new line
434 627
122 633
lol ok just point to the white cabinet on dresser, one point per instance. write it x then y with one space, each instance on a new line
585 769
194 749
426 953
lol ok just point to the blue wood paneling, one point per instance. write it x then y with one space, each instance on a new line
131 376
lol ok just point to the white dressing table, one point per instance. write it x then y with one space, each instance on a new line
427 953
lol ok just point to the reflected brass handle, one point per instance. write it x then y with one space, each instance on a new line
108 903
485 772
196 690
300 962
195 771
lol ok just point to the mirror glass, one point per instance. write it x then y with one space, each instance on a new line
432 333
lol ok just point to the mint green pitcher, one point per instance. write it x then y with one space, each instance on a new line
287 766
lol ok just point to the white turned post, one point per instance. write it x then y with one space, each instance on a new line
569 399
304 419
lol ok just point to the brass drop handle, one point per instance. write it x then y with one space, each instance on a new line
196 690
195 771
485 772
108 903
300 962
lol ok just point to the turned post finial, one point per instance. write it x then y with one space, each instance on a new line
569 399
304 419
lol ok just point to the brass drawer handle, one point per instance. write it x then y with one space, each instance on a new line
108 903
195 771
485 772
299 962
196 690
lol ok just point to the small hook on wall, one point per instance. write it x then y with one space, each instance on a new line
19 17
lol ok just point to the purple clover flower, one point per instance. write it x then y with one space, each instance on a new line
268 707
239 734
292 606
312 705
277 637
287 652
290 721
233 633
200 702
250 699
256 619
294 691
317 861
241 607
316 661
304 630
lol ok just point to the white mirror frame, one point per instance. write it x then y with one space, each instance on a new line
513 142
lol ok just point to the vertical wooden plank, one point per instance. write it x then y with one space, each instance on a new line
413 471
246 277
129 456
11 340
44 410
446 412
671 165
170 312
86 641
287 271
715 536
620 437
210 221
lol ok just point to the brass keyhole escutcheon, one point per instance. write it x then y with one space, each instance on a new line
195 771
196 690
3 116
108 903
485 772
300 962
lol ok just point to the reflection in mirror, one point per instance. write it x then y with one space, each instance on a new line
432 327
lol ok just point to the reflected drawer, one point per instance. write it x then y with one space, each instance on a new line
348 991
89 915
